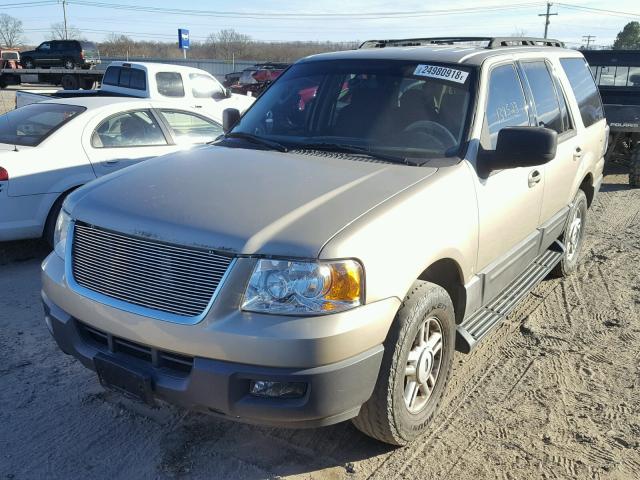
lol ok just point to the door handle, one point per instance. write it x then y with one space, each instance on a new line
577 155
534 178
112 162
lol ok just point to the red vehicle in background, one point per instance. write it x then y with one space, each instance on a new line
9 59
253 80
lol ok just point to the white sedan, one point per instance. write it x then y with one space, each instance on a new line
50 148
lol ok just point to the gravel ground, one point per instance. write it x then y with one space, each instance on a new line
554 393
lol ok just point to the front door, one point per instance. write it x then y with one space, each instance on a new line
509 200
124 139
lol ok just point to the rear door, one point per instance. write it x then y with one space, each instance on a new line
125 138
551 111
90 52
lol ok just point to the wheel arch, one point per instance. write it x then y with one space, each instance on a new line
447 273
588 188
60 197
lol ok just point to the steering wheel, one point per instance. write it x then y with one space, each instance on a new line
434 130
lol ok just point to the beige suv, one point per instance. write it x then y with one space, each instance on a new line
372 212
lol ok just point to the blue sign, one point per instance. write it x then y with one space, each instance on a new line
183 38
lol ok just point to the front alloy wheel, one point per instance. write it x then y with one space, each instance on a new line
415 368
423 365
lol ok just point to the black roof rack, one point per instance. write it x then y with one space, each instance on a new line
491 42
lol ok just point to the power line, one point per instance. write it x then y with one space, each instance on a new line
547 21
286 15
604 11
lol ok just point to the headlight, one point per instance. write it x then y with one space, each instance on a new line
305 288
60 233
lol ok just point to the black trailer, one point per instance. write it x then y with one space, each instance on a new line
617 74
68 79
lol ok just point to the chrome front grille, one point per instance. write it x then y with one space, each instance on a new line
146 273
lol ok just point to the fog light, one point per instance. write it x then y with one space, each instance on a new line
264 388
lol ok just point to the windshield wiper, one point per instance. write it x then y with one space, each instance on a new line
346 148
257 140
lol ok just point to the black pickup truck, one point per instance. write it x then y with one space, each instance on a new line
617 74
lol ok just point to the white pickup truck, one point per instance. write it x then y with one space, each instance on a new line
157 81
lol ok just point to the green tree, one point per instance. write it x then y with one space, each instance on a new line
629 37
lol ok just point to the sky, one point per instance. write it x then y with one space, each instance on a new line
335 20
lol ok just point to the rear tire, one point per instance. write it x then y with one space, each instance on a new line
573 236
27 62
634 168
69 82
415 369
69 63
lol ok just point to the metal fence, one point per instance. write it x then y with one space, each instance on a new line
217 68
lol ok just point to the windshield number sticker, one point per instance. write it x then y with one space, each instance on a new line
442 73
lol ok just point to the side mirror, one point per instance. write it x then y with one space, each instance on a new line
219 94
521 147
230 117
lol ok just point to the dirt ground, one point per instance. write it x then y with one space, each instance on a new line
553 394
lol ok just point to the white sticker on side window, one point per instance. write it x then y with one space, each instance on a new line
443 73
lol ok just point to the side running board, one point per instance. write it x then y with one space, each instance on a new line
483 321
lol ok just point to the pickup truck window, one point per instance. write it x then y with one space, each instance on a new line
506 106
584 89
616 75
402 108
31 124
544 95
204 86
188 128
170 84
125 77
130 129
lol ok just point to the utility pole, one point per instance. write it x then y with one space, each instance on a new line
588 39
547 21
64 12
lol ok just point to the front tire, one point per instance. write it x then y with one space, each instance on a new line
634 168
573 236
415 369
27 63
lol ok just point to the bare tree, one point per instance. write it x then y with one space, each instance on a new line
228 43
58 33
10 31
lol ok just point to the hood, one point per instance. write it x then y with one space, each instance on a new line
241 201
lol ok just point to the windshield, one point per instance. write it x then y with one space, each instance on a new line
31 124
407 109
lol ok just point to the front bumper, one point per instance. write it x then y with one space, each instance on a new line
338 356
334 392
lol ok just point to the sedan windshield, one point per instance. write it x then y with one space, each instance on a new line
31 124
398 108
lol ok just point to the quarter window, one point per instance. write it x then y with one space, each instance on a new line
188 128
506 106
130 129
544 95
170 84
584 89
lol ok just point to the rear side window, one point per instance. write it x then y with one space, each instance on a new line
125 77
544 95
584 89
506 106
170 84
